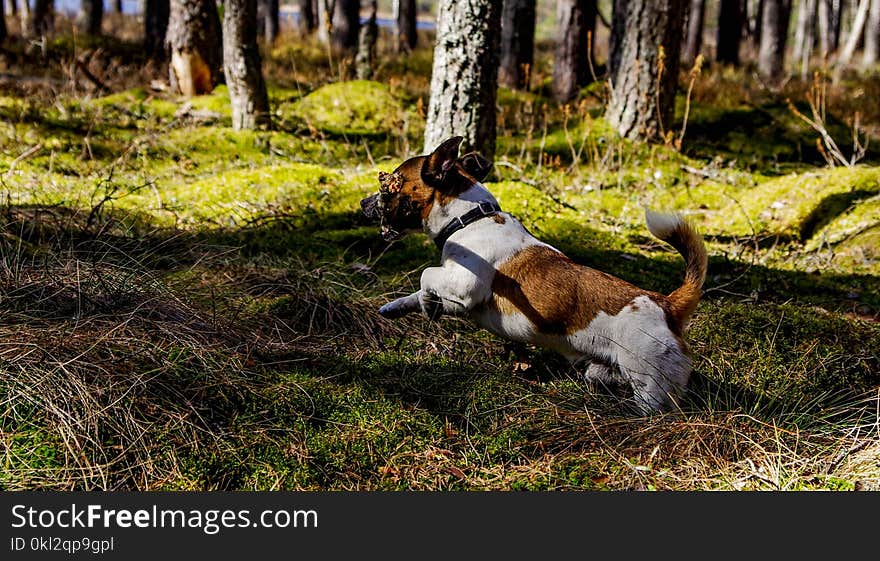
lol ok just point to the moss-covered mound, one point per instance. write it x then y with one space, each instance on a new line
361 108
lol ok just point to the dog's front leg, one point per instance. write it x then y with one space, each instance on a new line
401 306
450 289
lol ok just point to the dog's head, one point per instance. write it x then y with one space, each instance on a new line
407 194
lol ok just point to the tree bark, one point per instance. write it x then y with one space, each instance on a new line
13 8
346 25
41 17
771 54
117 6
156 14
307 19
90 15
575 29
642 105
759 23
871 54
694 42
823 16
366 55
405 30
193 38
517 43
268 19
464 77
242 66
731 16
807 35
2 21
837 7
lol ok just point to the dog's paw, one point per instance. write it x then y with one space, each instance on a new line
432 304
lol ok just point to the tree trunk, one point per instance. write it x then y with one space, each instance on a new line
90 15
855 34
808 35
155 25
307 20
824 20
642 105
196 51
346 25
464 78
406 32
731 16
771 54
575 28
2 21
117 6
837 7
41 17
871 53
759 23
517 43
24 19
268 19
694 42
366 55
13 8
242 67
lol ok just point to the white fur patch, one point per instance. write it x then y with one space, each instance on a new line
663 224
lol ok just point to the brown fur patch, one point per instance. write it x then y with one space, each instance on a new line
559 296
499 219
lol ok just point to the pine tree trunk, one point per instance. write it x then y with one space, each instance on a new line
155 25
731 17
268 19
346 25
405 30
694 42
641 105
2 21
24 19
837 7
307 20
117 6
759 24
871 53
41 17
242 66
90 15
808 35
194 40
366 54
464 78
13 8
575 28
771 55
517 43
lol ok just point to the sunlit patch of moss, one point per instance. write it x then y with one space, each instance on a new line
796 206
359 107
139 103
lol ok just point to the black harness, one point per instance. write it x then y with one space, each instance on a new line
482 210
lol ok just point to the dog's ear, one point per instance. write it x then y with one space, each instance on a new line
476 165
441 160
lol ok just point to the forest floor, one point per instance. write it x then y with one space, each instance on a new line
184 306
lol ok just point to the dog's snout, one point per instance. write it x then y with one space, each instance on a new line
370 207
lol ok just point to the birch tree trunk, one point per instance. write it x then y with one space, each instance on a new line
464 77
855 34
575 27
193 38
242 66
641 105
366 55
871 54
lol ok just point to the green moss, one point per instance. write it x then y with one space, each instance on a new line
360 108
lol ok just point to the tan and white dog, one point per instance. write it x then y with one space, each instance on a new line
511 283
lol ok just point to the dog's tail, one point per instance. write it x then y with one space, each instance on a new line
681 234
